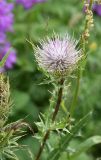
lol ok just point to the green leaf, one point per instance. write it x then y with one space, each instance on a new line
20 99
55 154
2 63
85 146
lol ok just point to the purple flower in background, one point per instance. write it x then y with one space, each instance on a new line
12 56
97 9
6 16
2 37
6 25
28 3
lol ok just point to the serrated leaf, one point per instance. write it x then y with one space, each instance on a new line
59 125
55 154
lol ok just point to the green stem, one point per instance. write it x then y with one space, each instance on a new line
83 44
58 100
73 105
42 145
90 4
46 136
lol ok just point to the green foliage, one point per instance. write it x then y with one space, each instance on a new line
2 63
9 135
30 98
84 146
56 153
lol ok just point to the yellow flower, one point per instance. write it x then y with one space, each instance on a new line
93 46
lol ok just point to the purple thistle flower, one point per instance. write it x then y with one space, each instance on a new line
11 58
28 3
58 55
6 16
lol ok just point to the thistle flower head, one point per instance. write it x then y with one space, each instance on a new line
58 55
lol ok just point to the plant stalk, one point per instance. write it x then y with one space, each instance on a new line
59 99
83 44
73 105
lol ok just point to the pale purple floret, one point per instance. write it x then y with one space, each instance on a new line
58 55
28 3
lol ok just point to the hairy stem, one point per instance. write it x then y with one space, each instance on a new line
59 99
43 144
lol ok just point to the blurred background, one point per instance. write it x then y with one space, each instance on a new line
34 22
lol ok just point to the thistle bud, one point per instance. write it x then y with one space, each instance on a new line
4 99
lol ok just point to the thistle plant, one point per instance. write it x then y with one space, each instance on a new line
57 57
60 57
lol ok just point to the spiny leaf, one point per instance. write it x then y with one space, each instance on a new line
55 154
